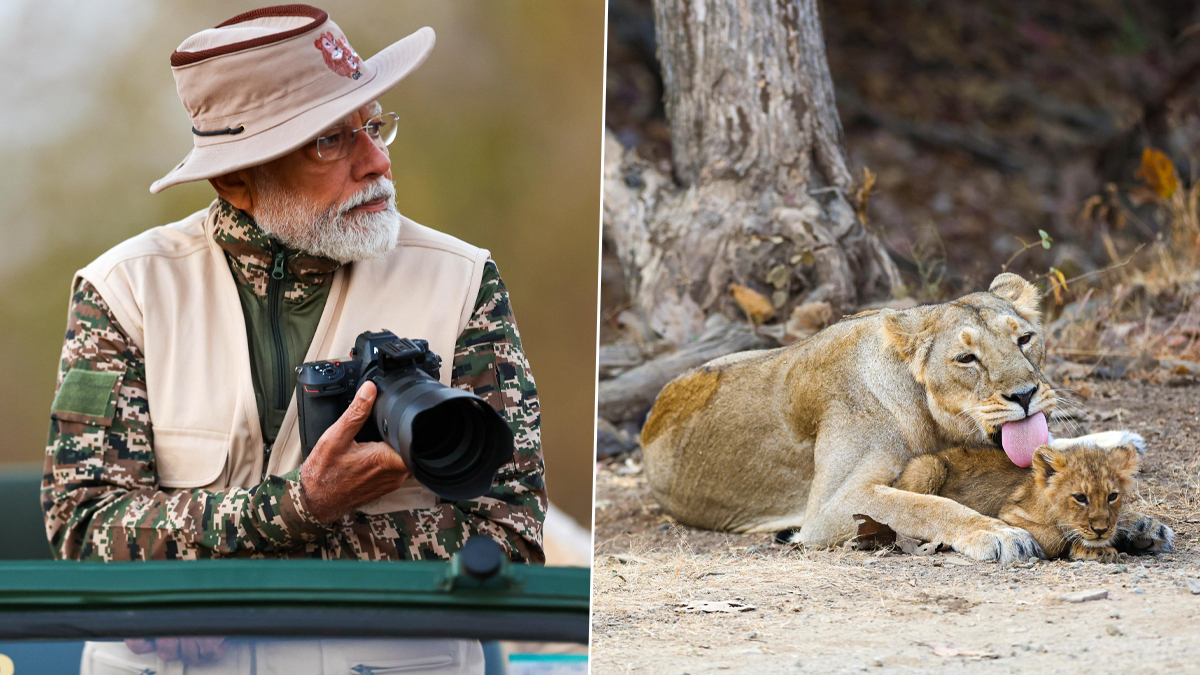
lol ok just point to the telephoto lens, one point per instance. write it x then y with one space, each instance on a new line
451 440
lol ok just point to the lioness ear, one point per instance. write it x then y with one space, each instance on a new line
1024 296
902 330
1046 462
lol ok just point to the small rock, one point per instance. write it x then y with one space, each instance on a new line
1113 630
1139 591
1086 596
1193 585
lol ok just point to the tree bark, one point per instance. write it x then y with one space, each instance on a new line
760 191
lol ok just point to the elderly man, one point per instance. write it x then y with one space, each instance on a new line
174 431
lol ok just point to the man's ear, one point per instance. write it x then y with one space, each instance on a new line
902 330
1024 296
1046 462
234 187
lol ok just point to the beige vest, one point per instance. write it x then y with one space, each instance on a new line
172 291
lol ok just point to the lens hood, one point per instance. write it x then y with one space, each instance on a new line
451 440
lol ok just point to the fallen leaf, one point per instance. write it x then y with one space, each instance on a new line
862 196
809 318
711 607
1158 173
756 305
871 534
779 277
1117 414
626 558
952 559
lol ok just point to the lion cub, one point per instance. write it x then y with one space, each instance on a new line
1070 500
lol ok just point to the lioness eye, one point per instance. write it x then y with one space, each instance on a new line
1112 497
966 358
1080 497
1024 339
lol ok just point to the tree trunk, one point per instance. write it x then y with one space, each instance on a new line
760 192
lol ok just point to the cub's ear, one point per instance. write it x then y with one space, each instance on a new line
1046 462
902 330
1125 458
1024 296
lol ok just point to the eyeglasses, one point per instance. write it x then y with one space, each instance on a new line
339 142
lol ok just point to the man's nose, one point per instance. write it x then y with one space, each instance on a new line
369 158
1023 398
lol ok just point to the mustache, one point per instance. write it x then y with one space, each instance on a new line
380 189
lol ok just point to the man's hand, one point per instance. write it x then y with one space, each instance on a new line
340 474
191 651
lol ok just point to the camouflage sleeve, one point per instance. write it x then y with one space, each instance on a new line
100 494
489 362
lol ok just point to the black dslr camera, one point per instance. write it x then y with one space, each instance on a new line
451 440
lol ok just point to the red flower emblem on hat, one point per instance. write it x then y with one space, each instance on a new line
340 58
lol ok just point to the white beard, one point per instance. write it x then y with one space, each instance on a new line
330 232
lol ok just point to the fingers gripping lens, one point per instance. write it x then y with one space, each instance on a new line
451 440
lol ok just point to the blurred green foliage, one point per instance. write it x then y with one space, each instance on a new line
499 144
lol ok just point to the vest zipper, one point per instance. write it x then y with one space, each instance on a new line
274 300
274 310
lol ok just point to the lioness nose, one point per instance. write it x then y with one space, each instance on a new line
1099 530
1023 398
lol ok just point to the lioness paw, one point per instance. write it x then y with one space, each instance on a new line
1105 439
999 542
1144 535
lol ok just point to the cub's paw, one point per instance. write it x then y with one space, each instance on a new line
998 542
1143 534
1104 554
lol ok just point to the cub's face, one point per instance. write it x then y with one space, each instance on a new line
980 358
1085 488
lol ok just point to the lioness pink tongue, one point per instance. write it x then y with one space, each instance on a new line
1020 439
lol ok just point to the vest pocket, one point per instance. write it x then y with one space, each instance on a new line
189 458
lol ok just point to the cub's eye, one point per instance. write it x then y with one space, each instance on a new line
1024 339
966 358
1080 497
1112 496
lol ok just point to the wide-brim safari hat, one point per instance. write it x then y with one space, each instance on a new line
266 82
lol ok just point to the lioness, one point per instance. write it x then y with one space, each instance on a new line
1072 500
807 435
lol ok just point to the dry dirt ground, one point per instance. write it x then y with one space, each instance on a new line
833 611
